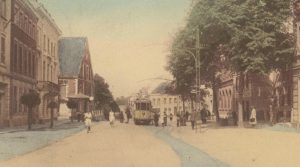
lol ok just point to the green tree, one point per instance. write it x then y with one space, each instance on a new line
252 35
104 99
31 100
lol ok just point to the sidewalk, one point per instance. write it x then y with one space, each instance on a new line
34 126
19 141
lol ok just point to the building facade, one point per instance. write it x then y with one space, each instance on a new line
256 92
174 104
5 38
76 78
168 103
296 67
48 35
226 94
23 59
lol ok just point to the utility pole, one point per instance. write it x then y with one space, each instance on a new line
198 47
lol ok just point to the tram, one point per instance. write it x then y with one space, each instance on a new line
142 112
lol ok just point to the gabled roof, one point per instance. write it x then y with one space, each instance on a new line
71 53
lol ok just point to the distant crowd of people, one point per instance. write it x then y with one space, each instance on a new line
181 118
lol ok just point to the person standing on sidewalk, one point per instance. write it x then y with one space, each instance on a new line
178 119
128 115
253 120
171 117
193 118
156 118
88 120
165 119
111 118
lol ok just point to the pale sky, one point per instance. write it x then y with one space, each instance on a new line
128 39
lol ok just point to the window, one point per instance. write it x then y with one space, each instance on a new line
175 100
142 106
29 63
48 68
170 100
259 91
25 61
165 101
21 20
26 24
33 66
51 74
2 50
44 42
30 27
20 104
20 58
48 48
14 62
3 6
16 18
44 70
15 102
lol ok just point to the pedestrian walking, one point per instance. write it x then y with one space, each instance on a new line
156 118
121 116
171 117
88 120
203 115
165 118
178 119
111 118
193 119
187 114
128 115
235 118
253 120
78 115
183 118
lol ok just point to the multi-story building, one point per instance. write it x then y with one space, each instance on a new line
174 104
23 58
296 67
76 78
225 94
168 103
256 92
5 31
48 35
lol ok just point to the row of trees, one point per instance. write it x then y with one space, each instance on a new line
243 36
104 99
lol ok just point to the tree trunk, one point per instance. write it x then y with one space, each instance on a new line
183 104
192 103
29 118
52 117
240 99
215 100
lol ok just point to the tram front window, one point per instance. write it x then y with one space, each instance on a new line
143 106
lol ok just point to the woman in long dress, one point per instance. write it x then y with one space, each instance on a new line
111 118
88 120
253 120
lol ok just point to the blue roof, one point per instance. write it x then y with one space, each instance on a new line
71 53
